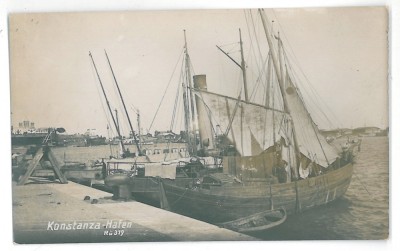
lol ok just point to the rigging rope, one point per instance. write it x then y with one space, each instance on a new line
169 82
305 77
171 127
233 114
311 95
261 69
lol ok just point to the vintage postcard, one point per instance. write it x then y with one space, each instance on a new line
200 125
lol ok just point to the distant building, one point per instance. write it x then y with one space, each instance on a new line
368 131
27 134
166 136
93 139
28 127
337 133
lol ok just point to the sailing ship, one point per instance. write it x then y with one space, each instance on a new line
274 155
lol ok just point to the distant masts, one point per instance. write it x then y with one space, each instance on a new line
138 124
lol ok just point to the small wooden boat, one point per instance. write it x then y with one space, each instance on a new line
257 222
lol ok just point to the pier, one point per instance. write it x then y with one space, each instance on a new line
72 213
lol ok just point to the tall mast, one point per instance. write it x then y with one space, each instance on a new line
269 95
243 66
190 84
274 58
278 74
123 103
186 111
108 103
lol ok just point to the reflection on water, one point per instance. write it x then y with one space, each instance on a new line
362 213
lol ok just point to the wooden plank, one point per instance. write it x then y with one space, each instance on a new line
56 167
43 173
82 174
32 166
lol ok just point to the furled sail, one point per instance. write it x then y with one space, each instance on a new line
310 141
250 127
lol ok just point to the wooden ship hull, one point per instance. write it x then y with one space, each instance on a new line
147 189
221 204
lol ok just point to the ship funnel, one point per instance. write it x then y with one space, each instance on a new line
205 126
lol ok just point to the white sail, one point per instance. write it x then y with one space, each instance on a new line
310 141
250 127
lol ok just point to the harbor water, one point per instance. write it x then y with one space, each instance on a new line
361 214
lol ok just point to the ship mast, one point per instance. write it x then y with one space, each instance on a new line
108 103
190 84
279 75
188 101
123 103
268 94
242 65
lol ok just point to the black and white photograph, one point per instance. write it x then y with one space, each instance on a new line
248 125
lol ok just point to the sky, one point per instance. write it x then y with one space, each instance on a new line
341 51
